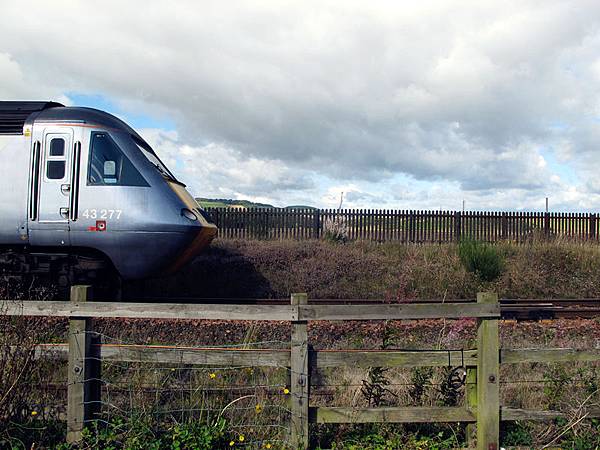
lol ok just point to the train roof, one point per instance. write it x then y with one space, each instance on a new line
13 115
78 114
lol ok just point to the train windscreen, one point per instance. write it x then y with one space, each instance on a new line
154 159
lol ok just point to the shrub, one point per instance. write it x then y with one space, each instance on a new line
482 259
335 230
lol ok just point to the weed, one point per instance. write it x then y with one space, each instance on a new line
556 386
515 434
374 388
139 432
590 379
420 379
387 437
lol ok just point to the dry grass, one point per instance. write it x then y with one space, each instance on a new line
397 272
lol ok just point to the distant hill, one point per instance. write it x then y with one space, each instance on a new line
300 207
230 203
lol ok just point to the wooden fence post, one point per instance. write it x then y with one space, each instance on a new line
299 378
316 224
488 367
471 403
592 226
266 232
83 390
457 226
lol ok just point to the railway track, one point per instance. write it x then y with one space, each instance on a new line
511 309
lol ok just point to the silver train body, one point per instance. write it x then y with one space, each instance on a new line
80 188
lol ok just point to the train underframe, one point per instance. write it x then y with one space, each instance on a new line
50 272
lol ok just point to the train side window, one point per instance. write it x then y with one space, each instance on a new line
109 166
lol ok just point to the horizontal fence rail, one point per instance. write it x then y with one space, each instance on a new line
319 359
409 226
247 312
481 409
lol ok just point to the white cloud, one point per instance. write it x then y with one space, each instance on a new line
272 97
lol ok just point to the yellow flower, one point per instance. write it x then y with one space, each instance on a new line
231 443
212 375
241 438
34 413
286 391
267 445
258 408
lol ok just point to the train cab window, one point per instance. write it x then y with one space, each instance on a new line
109 166
55 170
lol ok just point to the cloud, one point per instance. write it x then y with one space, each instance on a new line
474 97
219 171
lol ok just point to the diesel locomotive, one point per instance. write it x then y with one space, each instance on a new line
83 197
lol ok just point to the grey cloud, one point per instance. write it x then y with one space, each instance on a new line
467 95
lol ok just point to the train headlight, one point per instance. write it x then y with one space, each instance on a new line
189 214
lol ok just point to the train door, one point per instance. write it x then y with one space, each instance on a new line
52 168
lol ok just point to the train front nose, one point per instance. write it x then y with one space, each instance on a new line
199 229
198 237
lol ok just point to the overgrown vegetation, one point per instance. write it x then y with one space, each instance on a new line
391 271
394 272
140 433
388 436
25 384
480 258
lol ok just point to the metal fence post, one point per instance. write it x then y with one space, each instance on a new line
488 367
83 390
299 378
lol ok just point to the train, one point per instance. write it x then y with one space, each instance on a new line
84 199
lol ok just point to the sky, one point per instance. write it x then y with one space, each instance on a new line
399 105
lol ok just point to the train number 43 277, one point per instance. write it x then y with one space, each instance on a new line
102 214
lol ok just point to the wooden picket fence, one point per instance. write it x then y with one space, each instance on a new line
403 225
482 409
